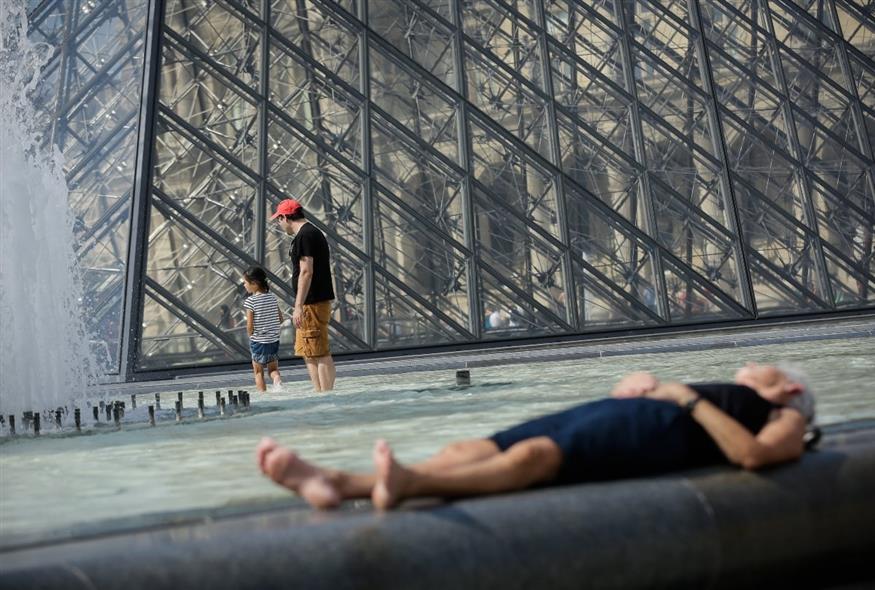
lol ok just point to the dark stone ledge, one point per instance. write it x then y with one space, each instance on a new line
810 524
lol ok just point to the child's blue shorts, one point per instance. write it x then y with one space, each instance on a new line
264 353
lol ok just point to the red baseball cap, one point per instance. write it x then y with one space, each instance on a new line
287 207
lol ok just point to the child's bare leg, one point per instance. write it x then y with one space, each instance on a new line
273 369
258 369
526 463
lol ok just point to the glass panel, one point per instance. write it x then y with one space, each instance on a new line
610 252
850 287
594 165
311 99
328 38
519 255
227 38
205 186
507 315
704 247
424 185
417 107
781 256
508 101
326 188
430 276
586 37
210 105
514 179
588 100
857 29
734 39
845 226
509 40
691 301
417 33
194 278
811 43
771 173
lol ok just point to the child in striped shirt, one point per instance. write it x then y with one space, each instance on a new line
263 319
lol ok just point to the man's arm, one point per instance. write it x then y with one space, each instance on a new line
780 440
304 279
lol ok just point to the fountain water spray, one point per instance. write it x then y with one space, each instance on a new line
41 320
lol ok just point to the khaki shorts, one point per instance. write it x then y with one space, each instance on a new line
311 339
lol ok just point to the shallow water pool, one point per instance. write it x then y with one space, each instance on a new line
66 481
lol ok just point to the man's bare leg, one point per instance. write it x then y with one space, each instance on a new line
327 372
288 470
313 370
273 369
259 376
528 462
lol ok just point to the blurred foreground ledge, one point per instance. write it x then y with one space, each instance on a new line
810 524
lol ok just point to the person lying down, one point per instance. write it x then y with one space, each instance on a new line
645 427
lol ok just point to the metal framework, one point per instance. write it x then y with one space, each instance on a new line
484 170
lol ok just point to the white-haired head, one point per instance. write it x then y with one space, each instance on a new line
803 402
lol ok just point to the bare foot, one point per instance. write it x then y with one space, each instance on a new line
391 476
266 445
311 483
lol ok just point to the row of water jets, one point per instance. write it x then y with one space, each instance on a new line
114 413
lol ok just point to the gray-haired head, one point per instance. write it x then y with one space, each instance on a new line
803 402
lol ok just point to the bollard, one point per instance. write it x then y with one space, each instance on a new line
77 419
11 424
151 415
179 410
58 418
133 401
157 401
463 377
36 423
218 398
222 407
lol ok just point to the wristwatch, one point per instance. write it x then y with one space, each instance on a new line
690 404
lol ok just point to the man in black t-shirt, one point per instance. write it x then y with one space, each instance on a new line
314 292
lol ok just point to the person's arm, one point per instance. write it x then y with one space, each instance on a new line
780 440
250 322
635 385
304 279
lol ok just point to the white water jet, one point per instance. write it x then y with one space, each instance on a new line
44 350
